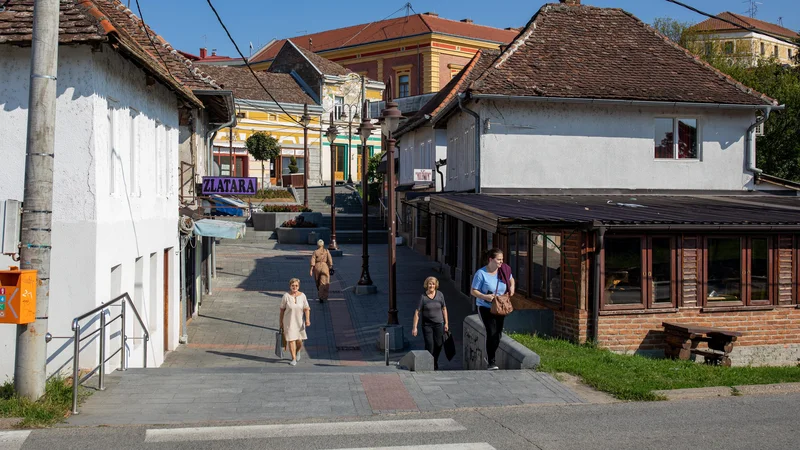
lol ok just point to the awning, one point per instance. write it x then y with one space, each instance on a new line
226 206
219 229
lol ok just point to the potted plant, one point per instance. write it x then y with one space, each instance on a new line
293 178
297 229
270 217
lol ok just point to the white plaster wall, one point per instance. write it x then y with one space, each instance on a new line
93 230
539 145
460 174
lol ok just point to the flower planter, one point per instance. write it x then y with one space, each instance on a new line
270 221
295 179
300 235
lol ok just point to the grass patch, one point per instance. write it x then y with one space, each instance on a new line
52 408
629 377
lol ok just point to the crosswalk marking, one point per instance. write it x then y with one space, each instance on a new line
302 429
13 440
465 446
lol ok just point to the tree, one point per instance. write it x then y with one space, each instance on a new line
293 165
263 147
677 31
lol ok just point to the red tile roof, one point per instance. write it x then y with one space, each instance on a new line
587 52
109 21
326 66
713 24
239 80
388 29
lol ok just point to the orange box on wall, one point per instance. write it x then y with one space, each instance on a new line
17 296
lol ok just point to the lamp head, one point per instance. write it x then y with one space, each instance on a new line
305 119
365 130
391 118
332 132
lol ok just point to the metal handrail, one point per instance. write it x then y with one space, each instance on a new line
399 219
76 328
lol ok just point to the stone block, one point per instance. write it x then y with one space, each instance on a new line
511 355
335 253
365 290
417 361
300 235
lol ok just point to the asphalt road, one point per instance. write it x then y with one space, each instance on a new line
764 422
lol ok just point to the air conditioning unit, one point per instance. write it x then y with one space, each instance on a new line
10 227
759 131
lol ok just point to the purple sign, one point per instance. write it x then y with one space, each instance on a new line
229 186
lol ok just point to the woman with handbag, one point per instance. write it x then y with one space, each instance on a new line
294 305
434 319
493 298
321 269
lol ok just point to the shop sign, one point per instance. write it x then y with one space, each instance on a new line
229 186
423 175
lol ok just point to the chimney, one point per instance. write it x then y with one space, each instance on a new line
213 52
466 20
511 29
203 52
431 13
571 2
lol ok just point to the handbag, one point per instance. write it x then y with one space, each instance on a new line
501 306
449 346
280 343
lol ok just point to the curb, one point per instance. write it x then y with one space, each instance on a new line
729 391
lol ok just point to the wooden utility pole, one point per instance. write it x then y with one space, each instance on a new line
30 367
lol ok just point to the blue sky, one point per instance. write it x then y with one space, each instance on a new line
190 24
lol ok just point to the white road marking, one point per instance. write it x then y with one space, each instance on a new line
13 440
302 429
465 446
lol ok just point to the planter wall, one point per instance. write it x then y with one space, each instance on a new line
295 179
300 235
270 221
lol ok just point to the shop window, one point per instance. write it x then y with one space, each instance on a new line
521 271
738 271
662 272
667 147
286 160
623 269
545 266
724 270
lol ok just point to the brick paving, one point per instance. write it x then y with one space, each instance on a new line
228 370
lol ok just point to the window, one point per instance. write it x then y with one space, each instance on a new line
545 266
134 152
687 144
738 271
775 51
404 86
728 48
789 53
338 108
639 272
285 161
709 48
763 49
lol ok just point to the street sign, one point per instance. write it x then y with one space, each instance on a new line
423 175
229 186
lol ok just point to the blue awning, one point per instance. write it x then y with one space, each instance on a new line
219 229
226 206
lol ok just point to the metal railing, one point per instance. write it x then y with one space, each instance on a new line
77 339
385 213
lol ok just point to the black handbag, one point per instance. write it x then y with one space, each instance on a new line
449 346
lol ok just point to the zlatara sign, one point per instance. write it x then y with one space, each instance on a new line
229 186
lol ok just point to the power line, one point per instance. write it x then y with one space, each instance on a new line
753 30
367 25
153 43
247 63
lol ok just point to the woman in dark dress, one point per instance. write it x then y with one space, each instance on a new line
434 319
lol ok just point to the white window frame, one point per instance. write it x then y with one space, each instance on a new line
113 145
675 139
338 108
134 153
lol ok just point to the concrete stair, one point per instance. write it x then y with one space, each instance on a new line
319 199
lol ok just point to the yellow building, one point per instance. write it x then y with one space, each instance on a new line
297 78
419 53
757 40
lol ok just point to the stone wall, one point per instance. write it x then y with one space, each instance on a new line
511 355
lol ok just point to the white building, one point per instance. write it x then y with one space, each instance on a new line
116 177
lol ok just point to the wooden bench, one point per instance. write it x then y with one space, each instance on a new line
682 342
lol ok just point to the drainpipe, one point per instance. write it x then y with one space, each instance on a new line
750 142
439 165
598 286
477 143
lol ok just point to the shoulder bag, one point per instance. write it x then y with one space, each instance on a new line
501 306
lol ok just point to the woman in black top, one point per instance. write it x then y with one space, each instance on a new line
434 319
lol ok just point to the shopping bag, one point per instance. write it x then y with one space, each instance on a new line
280 342
449 346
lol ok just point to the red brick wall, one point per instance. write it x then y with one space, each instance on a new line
416 70
444 71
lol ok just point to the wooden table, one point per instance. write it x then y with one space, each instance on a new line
683 340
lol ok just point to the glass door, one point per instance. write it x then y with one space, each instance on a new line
340 162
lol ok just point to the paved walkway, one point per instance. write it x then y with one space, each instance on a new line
228 369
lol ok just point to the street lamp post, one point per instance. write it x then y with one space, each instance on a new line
305 119
331 134
365 131
390 121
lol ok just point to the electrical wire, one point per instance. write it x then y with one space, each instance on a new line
367 25
753 30
153 43
247 63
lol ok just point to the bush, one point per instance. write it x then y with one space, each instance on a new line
293 165
299 222
285 208
274 193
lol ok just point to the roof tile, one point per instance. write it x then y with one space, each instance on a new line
239 80
714 24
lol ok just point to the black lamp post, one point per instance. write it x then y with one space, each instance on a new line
390 121
365 131
351 117
331 134
305 119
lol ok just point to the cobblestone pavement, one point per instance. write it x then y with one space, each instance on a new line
229 371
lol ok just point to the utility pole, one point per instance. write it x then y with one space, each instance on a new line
30 367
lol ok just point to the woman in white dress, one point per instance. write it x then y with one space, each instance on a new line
294 305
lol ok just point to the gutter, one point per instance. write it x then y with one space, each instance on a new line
750 143
600 101
477 143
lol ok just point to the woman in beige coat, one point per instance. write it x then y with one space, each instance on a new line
321 268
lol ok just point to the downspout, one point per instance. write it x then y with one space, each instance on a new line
601 232
477 143
439 165
750 142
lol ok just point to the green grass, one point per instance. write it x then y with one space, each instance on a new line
636 377
52 408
